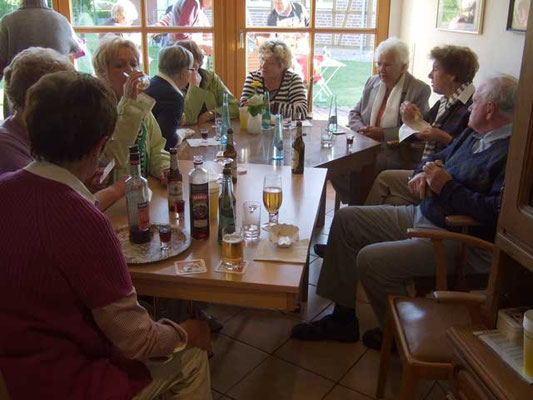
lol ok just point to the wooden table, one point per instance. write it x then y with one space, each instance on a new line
338 159
265 284
480 373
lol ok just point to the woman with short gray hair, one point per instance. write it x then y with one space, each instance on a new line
287 92
175 68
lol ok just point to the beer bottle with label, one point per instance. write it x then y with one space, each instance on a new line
226 203
231 153
137 200
176 204
298 150
199 200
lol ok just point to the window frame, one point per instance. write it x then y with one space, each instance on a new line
229 32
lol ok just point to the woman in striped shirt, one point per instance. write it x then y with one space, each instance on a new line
287 92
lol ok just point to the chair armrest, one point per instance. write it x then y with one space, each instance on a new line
459 297
435 234
460 220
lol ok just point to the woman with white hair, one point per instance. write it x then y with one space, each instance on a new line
116 63
175 68
286 89
377 114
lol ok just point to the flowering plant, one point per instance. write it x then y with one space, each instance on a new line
256 103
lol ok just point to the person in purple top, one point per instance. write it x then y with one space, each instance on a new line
26 68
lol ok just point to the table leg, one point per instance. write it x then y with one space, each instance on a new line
321 217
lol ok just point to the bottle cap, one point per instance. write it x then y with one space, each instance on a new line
173 150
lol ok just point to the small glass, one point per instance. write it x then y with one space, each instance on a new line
251 220
326 138
232 248
143 82
165 235
272 198
204 133
349 139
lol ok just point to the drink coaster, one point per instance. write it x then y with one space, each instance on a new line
239 271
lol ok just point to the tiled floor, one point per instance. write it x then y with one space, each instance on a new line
256 359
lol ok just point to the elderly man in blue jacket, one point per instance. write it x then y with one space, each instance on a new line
369 243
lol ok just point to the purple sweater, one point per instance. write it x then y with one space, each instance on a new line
59 259
14 146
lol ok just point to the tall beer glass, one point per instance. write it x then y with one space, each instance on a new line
272 198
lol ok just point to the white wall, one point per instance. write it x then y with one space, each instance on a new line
498 50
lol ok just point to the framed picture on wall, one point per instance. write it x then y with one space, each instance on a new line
518 13
460 15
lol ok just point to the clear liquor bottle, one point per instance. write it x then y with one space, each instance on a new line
298 150
226 203
137 200
226 122
199 200
332 120
265 118
176 204
230 152
277 140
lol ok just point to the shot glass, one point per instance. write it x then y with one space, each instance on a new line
204 133
349 140
251 220
326 138
165 235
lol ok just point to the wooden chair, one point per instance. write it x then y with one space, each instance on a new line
418 325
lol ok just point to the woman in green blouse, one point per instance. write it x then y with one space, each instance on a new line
205 90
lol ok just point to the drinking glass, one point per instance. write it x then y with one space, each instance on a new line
251 219
232 248
165 235
204 133
326 137
272 198
349 139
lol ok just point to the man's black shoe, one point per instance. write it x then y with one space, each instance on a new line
328 328
320 249
214 325
373 338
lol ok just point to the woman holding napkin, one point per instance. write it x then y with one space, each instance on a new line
453 71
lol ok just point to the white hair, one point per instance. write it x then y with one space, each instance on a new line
501 91
394 46
125 9
278 50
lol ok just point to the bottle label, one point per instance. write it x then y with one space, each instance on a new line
234 169
200 205
295 159
175 191
143 214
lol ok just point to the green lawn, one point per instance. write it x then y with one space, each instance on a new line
347 83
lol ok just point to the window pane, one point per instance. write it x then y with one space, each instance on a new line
106 12
346 13
284 13
158 41
297 42
340 58
173 13
84 64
